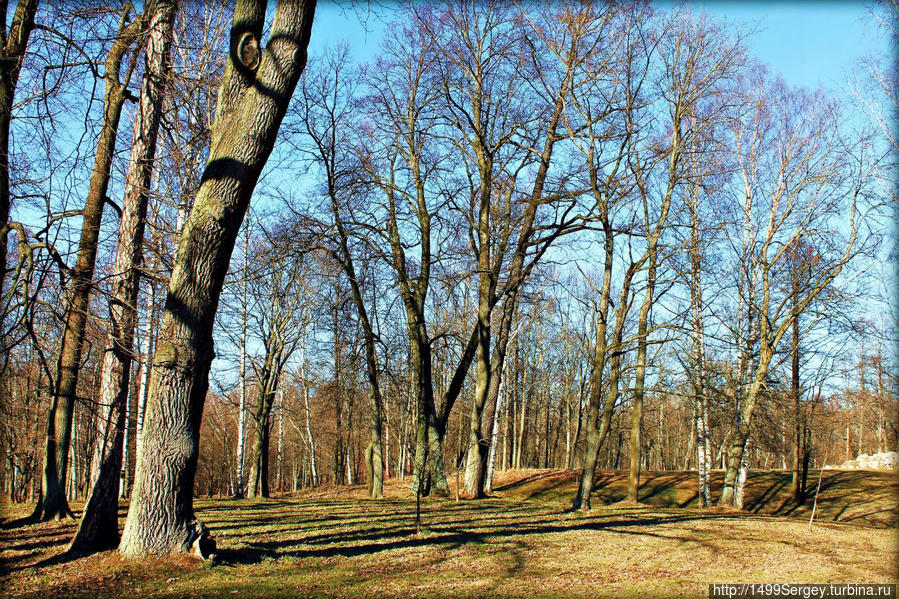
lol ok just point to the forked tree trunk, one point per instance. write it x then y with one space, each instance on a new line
99 527
255 90
732 487
489 368
59 419
600 423
257 481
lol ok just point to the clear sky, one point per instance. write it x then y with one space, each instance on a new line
809 43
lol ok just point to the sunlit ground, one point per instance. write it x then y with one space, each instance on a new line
523 544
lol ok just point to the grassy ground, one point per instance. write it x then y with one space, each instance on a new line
520 544
868 497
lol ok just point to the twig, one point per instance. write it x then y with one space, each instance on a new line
817 491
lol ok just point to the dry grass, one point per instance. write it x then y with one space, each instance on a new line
868 497
344 545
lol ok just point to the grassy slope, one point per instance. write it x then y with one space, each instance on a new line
868 497
521 544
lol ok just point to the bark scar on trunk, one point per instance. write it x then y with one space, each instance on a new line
248 51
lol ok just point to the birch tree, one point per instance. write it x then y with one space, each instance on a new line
697 60
797 178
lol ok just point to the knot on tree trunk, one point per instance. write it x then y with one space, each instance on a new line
248 51
201 543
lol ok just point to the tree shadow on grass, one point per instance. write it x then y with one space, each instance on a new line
449 537
670 482
533 478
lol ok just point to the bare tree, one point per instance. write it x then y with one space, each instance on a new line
329 99
279 319
98 529
59 420
795 175
698 60
13 44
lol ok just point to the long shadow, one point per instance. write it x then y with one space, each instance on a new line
673 480
355 515
63 557
532 478
767 495
37 544
19 522
405 538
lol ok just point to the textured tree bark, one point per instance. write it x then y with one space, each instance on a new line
255 90
13 44
98 529
59 419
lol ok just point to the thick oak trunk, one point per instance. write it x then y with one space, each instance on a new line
255 90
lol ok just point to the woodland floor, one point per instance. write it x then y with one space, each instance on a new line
520 543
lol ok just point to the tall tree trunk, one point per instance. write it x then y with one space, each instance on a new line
796 483
374 458
633 479
98 529
242 372
599 415
339 432
257 481
489 368
700 401
312 460
59 419
143 387
255 90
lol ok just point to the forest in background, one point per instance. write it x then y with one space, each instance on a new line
575 237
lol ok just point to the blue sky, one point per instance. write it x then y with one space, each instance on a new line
809 43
